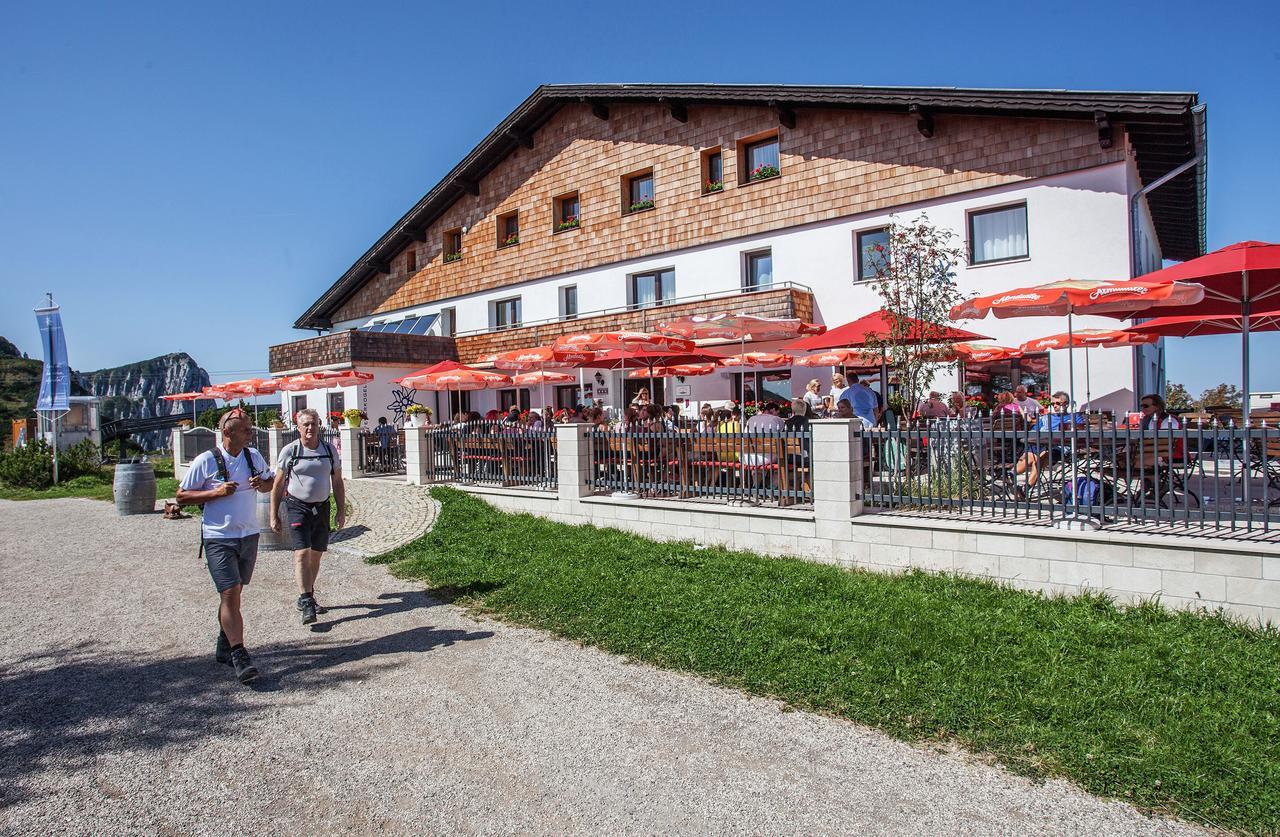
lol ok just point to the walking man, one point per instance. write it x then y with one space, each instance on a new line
307 472
224 481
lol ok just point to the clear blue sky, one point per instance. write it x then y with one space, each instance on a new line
190 177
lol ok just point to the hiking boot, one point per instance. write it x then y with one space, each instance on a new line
319 607
245 670
307 607
223 652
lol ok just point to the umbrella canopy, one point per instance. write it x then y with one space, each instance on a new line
1197 325
683 370
758 359
1089 338
464 378
738 327
983 352
875 327
840 357
298 383
442 366
342 377
1079 296
184 396
540 357
649 359
528 379
1222 273
217 392
252 386
623 341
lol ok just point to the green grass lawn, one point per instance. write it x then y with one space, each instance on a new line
1171 711
96 487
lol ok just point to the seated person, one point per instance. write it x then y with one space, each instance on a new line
1037 456
767 419
933 407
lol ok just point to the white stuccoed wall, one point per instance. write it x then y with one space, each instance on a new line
1242 578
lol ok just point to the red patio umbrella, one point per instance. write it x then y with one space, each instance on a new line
619 345
983 352
740 327
871 329
683 370
193 397
1236 279
541 358
1196 325
840 357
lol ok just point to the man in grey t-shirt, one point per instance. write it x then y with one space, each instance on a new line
308 471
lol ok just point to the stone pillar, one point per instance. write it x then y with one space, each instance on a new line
350 437
274 444
573 462
175 442
419 455
837 476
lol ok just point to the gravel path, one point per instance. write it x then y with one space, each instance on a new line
403 715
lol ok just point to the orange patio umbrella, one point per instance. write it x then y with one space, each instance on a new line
1079 296
193 397
682 370
622 342
463 379
1086 338
983 352
840 357
541 378
542 358
740 327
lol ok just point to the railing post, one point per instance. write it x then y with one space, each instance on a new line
837 476
350 438
419 455
175 442
274 444
573 461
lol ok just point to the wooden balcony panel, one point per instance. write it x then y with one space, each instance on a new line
353 348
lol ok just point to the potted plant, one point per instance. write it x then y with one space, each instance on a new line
452 257
417 415
640 206
569 223
354 417
514 238
764 172
713 186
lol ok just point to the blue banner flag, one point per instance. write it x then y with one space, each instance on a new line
55 384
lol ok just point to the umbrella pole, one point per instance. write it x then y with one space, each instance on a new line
1071 362
1244 387
742 379
1088 393
884 377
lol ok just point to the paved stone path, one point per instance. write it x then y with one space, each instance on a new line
384 514
398 714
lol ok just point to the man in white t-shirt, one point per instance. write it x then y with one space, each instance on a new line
224 480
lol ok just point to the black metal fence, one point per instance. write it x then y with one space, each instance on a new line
196 441
756 467
1199 479
381 453
495 453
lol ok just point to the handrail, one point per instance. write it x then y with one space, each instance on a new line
625 309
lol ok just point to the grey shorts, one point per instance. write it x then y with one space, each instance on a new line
231 560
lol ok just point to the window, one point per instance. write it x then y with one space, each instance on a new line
453 245
996 235
509 397
569 302
509 229
758 270
504 313
637 192
296 403
408 325
566 215
870 260
712 171
656 288
765 386
411 260
759 159
459 402
336 403
448 322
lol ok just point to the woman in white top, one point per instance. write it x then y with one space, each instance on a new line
838 385
811 396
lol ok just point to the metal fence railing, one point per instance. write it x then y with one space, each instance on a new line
1198 479
381 453
755 466
496 453
196 441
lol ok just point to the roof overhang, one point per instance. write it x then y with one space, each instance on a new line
1165 129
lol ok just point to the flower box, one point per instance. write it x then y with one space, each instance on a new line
570 223
641 206
713 186
452 257
511 240
764 172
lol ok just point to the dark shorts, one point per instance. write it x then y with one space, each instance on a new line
231 560
308 524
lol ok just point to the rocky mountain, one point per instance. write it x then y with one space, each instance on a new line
129 391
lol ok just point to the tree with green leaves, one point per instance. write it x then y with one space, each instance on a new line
915 275
1177 399
1223 395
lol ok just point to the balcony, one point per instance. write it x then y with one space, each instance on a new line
354 348
782 299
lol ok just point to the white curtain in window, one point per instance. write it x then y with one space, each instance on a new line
646 291
1000 235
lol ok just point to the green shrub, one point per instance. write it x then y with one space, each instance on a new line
30 466
84 457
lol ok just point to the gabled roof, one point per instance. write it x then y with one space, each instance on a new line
1165 128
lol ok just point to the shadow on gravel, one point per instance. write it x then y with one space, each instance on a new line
348 533
388 604
65 707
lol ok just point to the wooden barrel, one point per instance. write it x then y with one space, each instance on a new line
267 539
134 488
